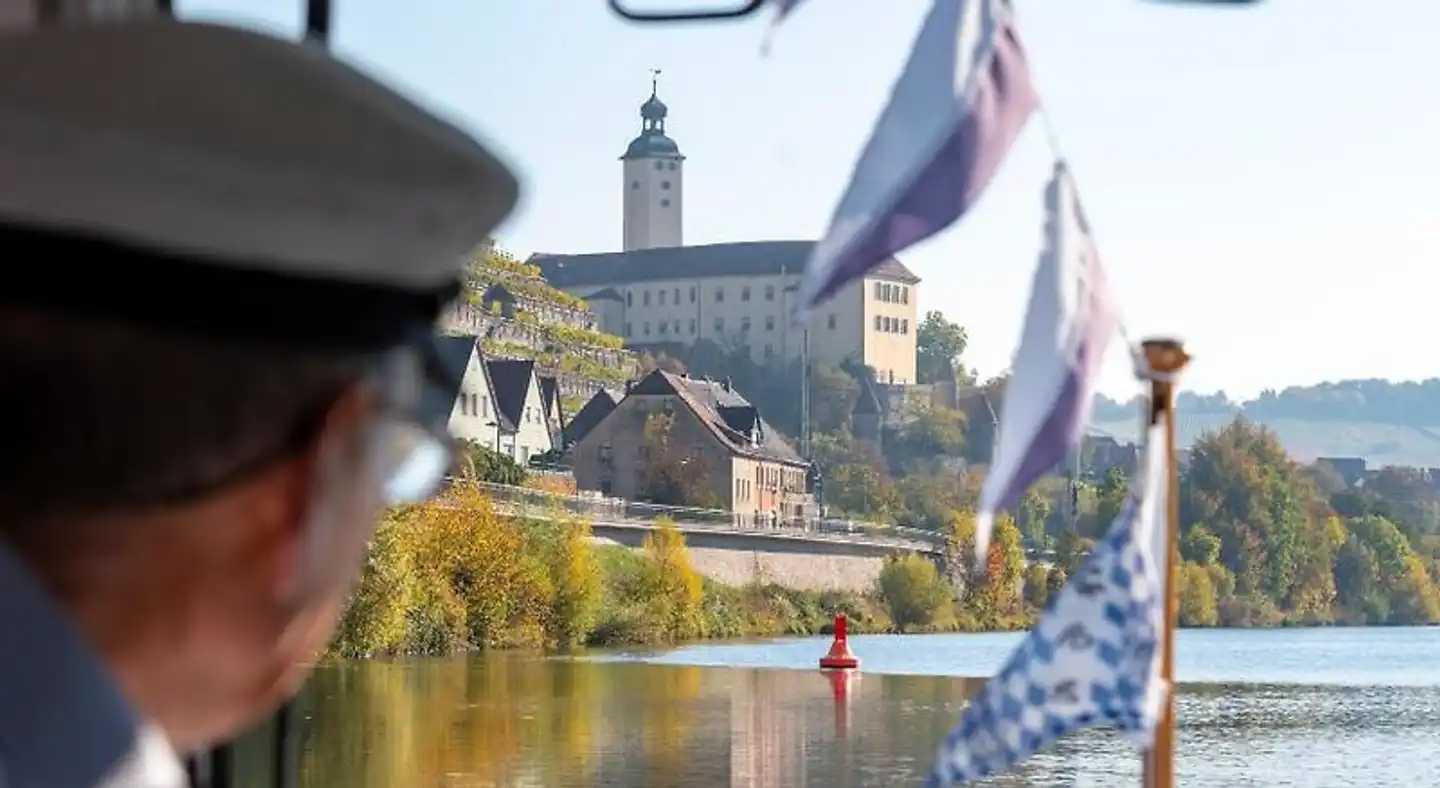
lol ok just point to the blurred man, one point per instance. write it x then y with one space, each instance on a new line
223 256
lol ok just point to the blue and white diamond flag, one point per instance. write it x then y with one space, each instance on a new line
1093 658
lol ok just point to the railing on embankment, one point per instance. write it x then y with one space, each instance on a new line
622 513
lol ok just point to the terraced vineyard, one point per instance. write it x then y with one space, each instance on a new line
516 314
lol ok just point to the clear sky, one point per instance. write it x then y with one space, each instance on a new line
1259 180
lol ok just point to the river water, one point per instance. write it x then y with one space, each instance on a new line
1329 708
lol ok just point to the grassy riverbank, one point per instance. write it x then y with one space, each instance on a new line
455 576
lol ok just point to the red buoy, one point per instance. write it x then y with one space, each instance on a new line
840 657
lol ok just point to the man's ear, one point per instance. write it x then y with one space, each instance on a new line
301 488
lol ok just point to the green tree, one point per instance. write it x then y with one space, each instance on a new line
857 479
1403 580
1200 546
1110 498
482 463
913 591
1405 497
1196 596
930 432
1034 516
1037 586
1260 505
940 344
930 494
1358 586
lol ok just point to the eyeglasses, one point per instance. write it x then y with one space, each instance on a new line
416 449
414 459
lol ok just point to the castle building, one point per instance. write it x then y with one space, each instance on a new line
657 291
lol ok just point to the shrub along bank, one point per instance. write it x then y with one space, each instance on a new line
455 575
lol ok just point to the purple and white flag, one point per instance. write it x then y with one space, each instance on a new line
958 106
1094 655
1068 326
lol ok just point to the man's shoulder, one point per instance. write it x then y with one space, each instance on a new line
63 721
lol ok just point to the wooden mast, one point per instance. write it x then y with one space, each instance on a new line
1165 359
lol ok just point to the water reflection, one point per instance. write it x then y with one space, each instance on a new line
511 720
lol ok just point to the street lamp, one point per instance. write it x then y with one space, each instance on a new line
496 425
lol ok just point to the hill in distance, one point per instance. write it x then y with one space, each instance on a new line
1385 422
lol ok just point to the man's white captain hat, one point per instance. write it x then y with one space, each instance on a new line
212 179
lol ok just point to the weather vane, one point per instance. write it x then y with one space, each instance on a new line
654 81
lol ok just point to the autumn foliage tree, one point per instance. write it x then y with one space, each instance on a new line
675 589
916 595
1262 542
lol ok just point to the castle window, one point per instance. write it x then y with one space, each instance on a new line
645 296
645 327
769 292
659 165
665 185
830 321
692 325
634 185
672 166
629 329
719 324
769 322
692 294
662 298
629 298
877 323
904 295
665 203
745 323
745 294
719 295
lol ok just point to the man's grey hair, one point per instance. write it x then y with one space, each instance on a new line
98 416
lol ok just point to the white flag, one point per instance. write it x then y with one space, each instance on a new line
1068 326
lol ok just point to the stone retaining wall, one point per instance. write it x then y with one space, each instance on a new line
738 559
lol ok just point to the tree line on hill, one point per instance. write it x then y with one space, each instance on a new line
1410 403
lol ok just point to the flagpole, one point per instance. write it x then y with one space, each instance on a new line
1165 359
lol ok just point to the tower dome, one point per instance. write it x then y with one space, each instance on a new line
653 142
